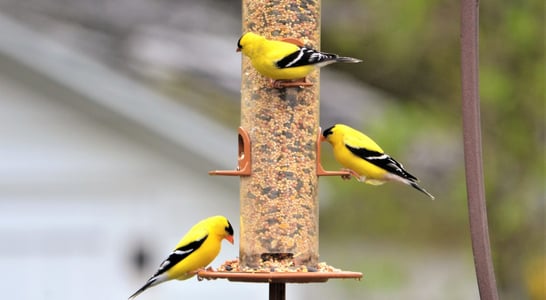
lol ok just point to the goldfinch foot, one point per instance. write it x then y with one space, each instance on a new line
351 175
195 272
208 269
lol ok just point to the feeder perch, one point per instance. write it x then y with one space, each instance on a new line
243 160
320 169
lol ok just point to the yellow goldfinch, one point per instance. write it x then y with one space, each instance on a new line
286 61
195 251
365 159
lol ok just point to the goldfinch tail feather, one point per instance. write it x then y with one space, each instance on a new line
155 280
347 60
412 181
422 190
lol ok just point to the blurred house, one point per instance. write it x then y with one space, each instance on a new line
99 176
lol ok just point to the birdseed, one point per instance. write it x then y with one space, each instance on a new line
275 266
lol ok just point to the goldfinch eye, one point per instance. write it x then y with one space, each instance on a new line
229 229
328 131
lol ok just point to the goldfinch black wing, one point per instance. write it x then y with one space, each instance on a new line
178 254
382 160
305 56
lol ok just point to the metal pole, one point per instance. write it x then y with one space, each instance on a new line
277 291
473 151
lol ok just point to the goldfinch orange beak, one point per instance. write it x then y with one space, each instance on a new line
238 50
322 138
229 238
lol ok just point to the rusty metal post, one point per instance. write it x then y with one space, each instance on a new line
279 200
277 291
473 151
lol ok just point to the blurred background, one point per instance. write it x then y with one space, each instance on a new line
113 111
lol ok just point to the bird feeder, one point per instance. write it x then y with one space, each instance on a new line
279 162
